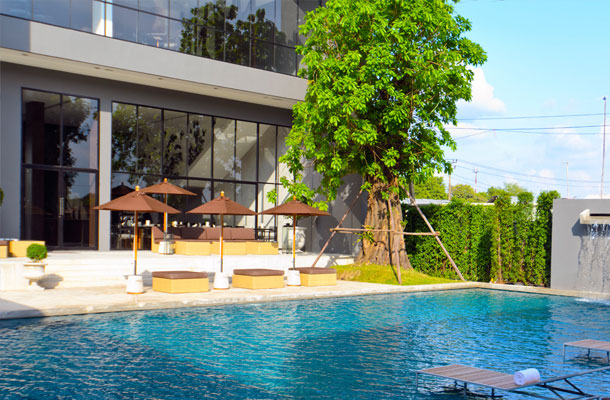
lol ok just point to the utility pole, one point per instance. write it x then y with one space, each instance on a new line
567 182
601 193
476 171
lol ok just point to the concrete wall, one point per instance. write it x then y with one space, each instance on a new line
580 260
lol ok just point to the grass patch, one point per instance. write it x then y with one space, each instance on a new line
374 273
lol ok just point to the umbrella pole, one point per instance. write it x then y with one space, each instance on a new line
294 239
135 243
221 235
165 217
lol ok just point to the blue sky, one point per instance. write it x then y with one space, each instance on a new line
545 58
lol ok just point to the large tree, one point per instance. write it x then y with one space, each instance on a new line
384 78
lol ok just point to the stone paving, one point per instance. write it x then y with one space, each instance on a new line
54 302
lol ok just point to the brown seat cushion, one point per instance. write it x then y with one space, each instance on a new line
179 274
157 234
242 234
317 271
212 233
174 230
258 272
3 242
191 232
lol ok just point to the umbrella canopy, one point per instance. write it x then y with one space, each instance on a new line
136 202
294 208
221 206
166 188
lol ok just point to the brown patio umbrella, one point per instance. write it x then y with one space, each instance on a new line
221 206
294 208
137 202
166 188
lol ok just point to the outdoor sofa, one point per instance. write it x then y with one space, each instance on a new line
203 241
318 276
180 281
258 278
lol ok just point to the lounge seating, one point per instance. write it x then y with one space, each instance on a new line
318 276
180 281
3 248
205 241
19 248
258 278
589 344
506 382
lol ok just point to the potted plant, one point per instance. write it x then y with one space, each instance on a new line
34 270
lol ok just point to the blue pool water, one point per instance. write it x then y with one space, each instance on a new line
348 348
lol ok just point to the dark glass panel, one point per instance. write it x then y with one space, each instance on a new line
209 43
124 23
203 194
79 218
245 164
199 146
236 16
121 231
287 22
180 37
282 147
262 55
17 8
265 221
211 14
159 7
180 9
41 128
237 48
285 60
264 24
80 132
224 148
152 30
40 206
305 6
127 3
149 142
245 194
81 15
229 191
175 143
124 137
56 12
266 165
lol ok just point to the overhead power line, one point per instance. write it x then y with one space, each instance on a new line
530 117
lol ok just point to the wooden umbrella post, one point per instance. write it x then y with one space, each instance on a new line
135 243
165 214
294 239
221 239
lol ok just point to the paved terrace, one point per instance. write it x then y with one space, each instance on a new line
27 303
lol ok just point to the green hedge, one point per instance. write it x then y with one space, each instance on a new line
503 242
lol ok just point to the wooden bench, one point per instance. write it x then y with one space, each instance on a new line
318 276
180 281
258 278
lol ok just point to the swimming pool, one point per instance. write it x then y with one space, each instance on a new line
349 348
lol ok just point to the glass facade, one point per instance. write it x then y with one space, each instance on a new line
59 169
201 153
257 33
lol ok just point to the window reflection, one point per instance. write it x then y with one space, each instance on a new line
199 147
80 132
224 153
124 137
41 128
153 30
245 194
17 8
266 150
175 143
56 12
149 141
245 163
81 15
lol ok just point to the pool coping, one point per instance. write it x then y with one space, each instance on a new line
92 300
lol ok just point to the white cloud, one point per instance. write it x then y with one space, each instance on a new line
483 102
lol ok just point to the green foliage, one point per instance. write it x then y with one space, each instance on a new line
384 78
385 274
1 196
467 193
36 252
431 188
511 189
503 242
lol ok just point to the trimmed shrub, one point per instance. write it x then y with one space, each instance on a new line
36 252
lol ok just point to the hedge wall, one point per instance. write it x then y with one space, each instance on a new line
503 242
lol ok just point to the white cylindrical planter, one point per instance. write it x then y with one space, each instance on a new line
221 281
135 284
34 272
293 277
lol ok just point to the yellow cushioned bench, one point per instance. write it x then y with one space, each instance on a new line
180 281
258 278
19 248
318 276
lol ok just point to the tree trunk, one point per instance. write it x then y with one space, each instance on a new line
378 251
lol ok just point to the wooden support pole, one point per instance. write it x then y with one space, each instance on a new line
457 270
334 231
391 225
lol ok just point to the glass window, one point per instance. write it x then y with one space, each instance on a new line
124 25
224 148
40 206
159 7
56 12
149 140
266 150
245 194
175 142
305 6
262 55
81 15
265 221
245 163
285 60
41 128
17 8
203 194
79 218
282 147
127 3
286 22
264 19
211 14
236 15
237 48
80 132
181 36
229 191
124 138
180 9
152 30
199 146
